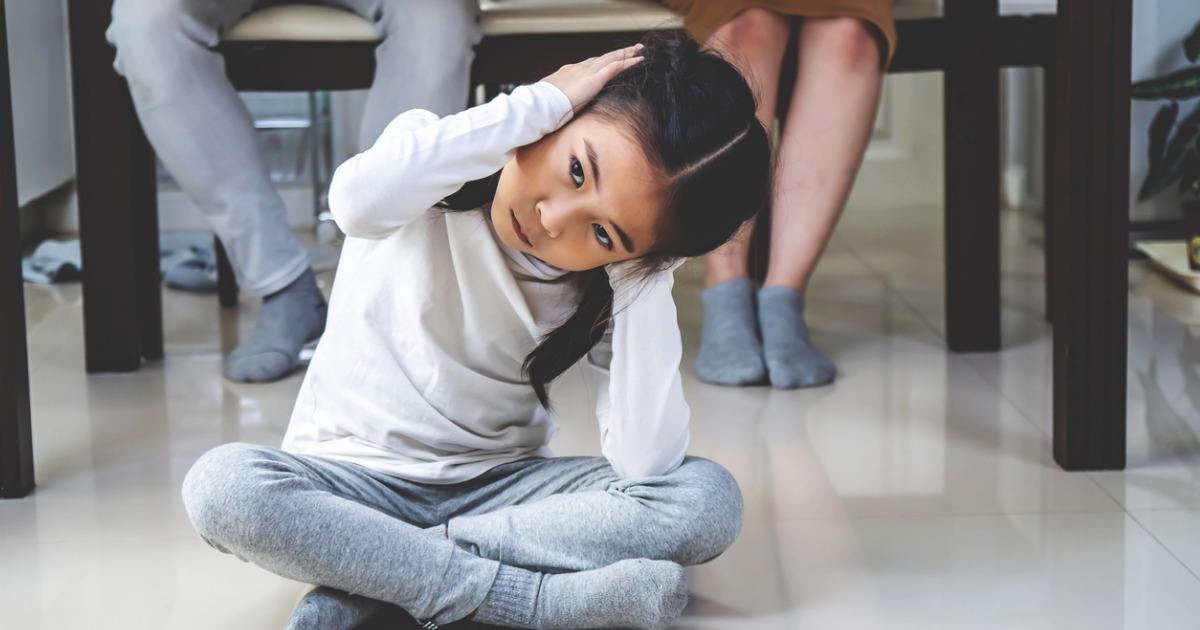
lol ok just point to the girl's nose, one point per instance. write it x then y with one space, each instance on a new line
553 217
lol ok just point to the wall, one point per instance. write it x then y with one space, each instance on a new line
37 42
1159 27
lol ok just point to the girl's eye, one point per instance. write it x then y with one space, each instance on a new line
576 172
602 236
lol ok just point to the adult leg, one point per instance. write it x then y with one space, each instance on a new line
730 350
828 125
203 133
362 534
424 60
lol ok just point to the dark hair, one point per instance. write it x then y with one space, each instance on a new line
693 114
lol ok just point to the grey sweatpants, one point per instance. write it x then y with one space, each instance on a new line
345 526
204 135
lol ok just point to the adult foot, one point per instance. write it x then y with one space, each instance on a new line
730 351
289 318
792 359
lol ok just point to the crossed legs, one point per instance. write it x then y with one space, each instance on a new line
534 543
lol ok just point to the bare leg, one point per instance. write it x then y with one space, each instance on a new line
754 41
730 350
828 125
829 122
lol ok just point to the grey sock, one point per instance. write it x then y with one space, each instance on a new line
323 608
289 318
792 359
628 594
730 352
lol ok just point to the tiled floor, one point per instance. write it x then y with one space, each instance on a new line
916 492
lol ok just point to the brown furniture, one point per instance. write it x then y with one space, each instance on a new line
16 443
1085 48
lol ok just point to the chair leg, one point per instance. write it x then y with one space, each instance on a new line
972 223
16 443
115 186
148 281
1048 134
972 181
227 288
1091 225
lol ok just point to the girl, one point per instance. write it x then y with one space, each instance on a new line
414 471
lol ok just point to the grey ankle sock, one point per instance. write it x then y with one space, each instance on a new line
289 318
628 594
325 607
792 359
512 600
730 352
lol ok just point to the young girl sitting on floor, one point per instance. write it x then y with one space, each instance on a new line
414 472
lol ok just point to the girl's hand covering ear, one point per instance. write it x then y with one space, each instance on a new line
581 82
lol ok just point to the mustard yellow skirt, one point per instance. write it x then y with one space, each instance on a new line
702 18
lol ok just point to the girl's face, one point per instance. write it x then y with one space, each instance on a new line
579 198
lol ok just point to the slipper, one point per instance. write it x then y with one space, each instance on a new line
197 272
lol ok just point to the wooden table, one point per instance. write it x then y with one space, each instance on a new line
16 443
1086 251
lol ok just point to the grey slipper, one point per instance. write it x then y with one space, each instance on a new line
197 272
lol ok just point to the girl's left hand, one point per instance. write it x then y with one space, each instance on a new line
582 81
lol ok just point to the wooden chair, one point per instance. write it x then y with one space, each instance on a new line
1085 48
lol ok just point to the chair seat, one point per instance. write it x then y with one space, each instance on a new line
302 23
309 23
513 17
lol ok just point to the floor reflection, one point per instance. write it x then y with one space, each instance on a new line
918 491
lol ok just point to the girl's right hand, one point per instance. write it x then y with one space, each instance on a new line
582 81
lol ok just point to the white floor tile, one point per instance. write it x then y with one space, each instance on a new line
1028 572
1177 530
918 491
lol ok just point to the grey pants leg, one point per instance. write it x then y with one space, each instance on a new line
575 513
424 60
335 524
344 526
205 136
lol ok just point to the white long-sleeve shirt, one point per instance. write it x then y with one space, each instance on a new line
418 373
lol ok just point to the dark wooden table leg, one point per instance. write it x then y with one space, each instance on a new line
143 189
1091 223
16 442
1049 104
972 137
117 214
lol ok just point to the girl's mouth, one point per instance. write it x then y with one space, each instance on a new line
517 228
